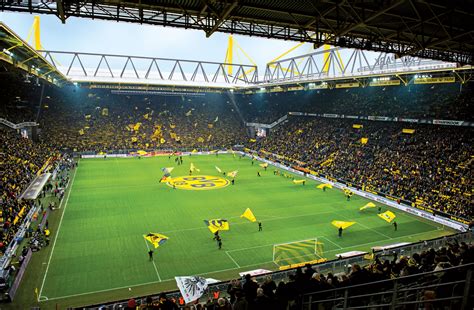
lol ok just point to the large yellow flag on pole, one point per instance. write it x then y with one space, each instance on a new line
387 216
193 168
156 239
248 214
342 224
368 205
324 185
217 224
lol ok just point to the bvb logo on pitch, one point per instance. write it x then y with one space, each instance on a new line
199 182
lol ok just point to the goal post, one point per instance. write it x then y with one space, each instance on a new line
296 252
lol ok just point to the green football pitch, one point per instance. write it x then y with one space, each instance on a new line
112 203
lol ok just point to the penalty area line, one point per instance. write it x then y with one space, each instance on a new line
232 259
326 238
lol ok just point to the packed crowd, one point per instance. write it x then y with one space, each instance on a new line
439 101
101 121
431 167
248 294
21 159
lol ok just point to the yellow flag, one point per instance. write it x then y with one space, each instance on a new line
105 112
387 216
162 140
357 126
322 186
264 165
342 224
248 214
146 116
218 224
134 139
200 139
81 132
369 205
299 181
233 174
136 127
253 140
408 131
364 140
156 239
193 168
141 152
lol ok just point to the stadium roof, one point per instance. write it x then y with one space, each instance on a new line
18 53
437 29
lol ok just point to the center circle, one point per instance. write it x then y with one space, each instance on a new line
198 182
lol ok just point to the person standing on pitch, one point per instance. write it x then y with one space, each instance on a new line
150 254
219 243
340 231
216 235
259 226
395 225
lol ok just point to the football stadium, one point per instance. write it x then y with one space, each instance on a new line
333 171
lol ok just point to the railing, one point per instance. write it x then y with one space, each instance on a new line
17 126
333 266
449 288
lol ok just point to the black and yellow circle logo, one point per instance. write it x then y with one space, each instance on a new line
198 182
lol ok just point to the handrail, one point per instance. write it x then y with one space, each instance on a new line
391 280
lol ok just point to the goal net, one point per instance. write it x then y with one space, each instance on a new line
297 252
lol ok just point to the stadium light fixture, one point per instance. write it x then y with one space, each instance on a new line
8 52
262 88
231 90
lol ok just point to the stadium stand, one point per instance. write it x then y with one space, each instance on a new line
448 101
102 121
429 167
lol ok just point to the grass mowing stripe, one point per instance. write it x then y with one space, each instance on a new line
57 233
